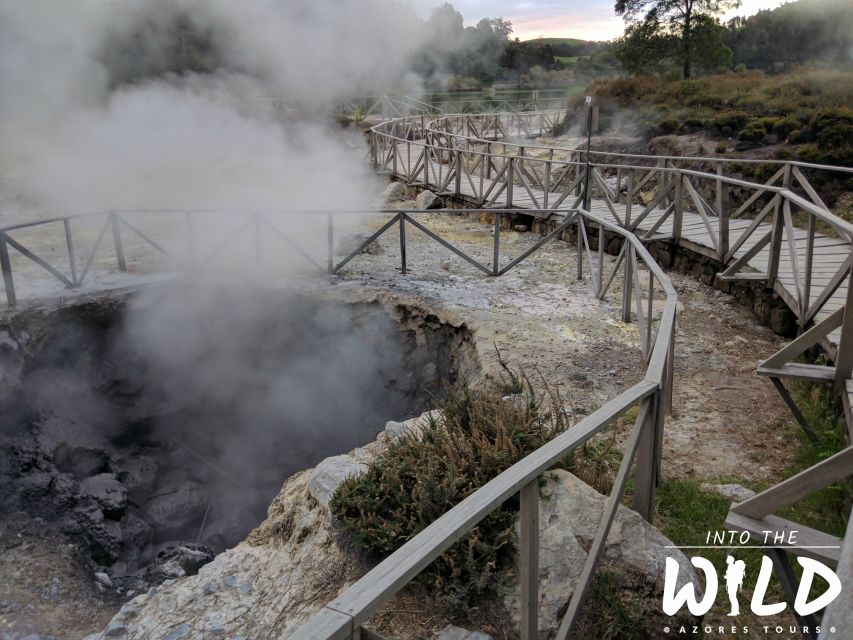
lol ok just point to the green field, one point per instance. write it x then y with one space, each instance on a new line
570 41
568 59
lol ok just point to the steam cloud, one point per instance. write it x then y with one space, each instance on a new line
92 119
76 139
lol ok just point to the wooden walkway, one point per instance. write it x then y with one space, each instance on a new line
830 254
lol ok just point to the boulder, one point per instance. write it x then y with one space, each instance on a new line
735 492
171 511
327 476
107 491
428 200
635 555
179 560
452 632
394 191
139 476
81 462
395 428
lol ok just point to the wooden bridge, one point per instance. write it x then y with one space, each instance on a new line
778 232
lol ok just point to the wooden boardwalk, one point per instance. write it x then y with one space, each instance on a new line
829 254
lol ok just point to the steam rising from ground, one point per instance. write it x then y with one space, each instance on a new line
77 138
94 118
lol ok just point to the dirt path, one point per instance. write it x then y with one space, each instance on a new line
727 422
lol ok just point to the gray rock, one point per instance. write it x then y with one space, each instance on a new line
394 191
735 492
103 535
179 560
521 228
170 512
569 515
395 428
107 491
329 474
428 200
103 579
139 476
451 632
81 462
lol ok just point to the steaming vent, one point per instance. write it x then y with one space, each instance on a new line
155 429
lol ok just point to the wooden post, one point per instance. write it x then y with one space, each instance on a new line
548 178
458 173
510 181
497 245
528 550
627 281
778 228
723 213
426 167
402 217
6 265
579 244
777 231
645 473
119 245
844 356
330 242
629 199
807 284
618 185
72 259
678 211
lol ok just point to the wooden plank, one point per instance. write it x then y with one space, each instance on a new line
327 624
839 613
835 468
811 543
797 371
528 561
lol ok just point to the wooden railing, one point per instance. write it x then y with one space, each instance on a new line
758 237
461 156
345 616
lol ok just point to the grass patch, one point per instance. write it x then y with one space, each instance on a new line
829 508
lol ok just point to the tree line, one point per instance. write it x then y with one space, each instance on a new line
686 37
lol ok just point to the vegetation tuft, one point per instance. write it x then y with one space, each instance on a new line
475 436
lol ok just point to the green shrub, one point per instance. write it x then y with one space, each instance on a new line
728 123
419 477
834 128
784 126
721 148
755 131
668 126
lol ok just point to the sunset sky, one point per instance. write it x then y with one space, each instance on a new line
584 19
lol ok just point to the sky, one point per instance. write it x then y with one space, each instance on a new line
584 19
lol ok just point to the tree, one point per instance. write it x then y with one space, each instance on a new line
685 21
647 48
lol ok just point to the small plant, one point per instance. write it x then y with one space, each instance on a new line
721 148
477 435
